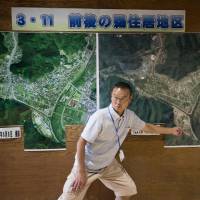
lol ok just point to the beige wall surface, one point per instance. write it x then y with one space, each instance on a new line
159 173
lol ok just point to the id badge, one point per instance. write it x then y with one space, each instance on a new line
121 155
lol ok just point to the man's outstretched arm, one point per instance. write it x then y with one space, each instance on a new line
150 128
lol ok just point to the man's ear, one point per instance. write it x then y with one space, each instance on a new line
130 99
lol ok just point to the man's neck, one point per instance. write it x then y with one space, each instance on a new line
119 113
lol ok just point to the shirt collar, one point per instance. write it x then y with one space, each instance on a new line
114 114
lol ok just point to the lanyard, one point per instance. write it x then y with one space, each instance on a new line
116 128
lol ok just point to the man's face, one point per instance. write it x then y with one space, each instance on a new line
120 99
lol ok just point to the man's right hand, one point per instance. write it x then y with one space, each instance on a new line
80 180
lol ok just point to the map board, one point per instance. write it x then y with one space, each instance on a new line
49 80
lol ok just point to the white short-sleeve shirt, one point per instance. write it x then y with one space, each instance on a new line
102 140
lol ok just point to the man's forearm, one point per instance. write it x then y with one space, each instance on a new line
150 128
81 153
80 179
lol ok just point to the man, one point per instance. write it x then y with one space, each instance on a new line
99 143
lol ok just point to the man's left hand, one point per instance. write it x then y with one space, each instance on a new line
177 131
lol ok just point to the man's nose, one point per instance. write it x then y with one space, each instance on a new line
118 101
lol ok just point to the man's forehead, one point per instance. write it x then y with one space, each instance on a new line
121 91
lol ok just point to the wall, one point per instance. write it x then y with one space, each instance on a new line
159 173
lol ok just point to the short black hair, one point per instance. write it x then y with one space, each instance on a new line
123 85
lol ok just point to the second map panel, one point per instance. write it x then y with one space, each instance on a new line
164 70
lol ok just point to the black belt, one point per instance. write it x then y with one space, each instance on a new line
95 171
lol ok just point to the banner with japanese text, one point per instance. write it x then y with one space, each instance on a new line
97 20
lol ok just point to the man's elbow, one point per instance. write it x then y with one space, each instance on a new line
81 141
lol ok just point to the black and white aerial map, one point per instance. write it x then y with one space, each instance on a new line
164 70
